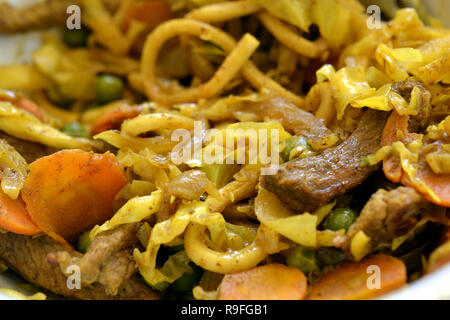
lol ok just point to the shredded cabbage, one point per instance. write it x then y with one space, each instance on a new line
271 212
13 170
166 231
23 125
348 84
135 210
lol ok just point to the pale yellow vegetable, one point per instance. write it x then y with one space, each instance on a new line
13 170
156 121
21 124
135 210
20 296
299 228
360 245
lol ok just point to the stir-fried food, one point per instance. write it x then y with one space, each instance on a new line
244 149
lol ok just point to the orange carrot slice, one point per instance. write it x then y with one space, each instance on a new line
114 118
439 183
14 216
269 282
358 280
70 191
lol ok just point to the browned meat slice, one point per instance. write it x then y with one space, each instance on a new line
387 215
294 119
308 183
107 260
41 15
29 150
421 121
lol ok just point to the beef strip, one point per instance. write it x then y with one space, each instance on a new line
41 15
306 184
107 261
294 119
29 150
388 215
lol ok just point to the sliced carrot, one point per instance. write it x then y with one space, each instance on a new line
70 191
14 216
269 282
439 183
114 118
151 13
357 280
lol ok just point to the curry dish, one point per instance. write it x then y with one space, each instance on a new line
334 184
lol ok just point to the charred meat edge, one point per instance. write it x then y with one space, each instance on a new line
106 268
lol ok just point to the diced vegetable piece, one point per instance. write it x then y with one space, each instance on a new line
108 88
295 145
269 282
71 191
14 216
84 241
372 277
302 259
220 174
75 129
340 218
75 38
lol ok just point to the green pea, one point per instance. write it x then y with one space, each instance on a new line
329 256
75 129
75 38
187 281
292 143
84 241
303 259
108 88
341 218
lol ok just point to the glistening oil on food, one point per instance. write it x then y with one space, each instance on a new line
223 150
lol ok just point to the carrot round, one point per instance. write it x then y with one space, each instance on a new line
359 280
14 216
70 191
269 282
